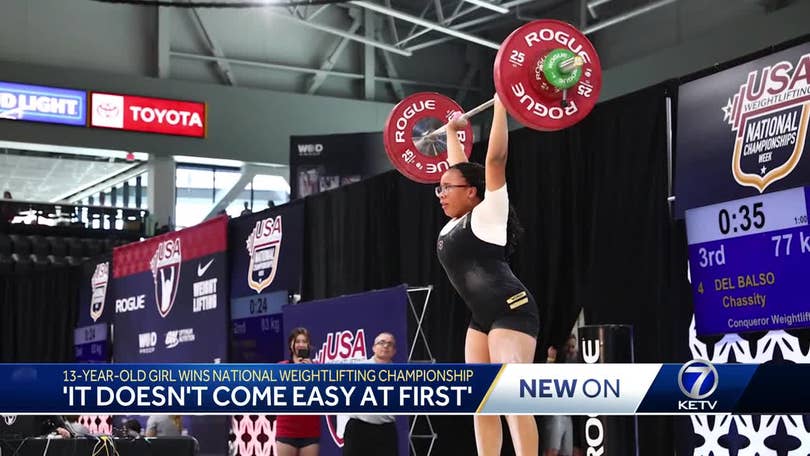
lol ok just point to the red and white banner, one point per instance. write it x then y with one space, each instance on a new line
150 115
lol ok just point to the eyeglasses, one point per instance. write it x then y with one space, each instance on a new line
442 189
384 343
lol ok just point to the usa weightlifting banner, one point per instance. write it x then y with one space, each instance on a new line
402 389
95 293
96 308
265 259
170 296
267 251
742 131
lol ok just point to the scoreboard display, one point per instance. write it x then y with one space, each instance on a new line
750 263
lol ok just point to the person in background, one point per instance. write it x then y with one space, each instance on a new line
7 211
571 350
246 210
164 426
71 427
558 430
298 435
133 428
373 434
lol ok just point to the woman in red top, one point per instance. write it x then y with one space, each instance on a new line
298 435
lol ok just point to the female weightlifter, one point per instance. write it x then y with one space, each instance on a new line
472 247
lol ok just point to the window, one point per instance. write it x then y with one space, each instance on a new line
195 195
199 188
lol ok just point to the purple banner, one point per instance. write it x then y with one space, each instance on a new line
343 330
742 132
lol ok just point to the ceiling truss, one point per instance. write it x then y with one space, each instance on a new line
368 20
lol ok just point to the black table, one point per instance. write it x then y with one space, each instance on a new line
158 446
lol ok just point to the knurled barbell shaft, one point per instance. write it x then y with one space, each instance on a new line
565 66
482 107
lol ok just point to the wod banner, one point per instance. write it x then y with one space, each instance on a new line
319 163
742 131
342 331
402 389
170 296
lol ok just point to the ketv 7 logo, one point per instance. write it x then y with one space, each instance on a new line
698 380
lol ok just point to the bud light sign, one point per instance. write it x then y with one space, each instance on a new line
42 104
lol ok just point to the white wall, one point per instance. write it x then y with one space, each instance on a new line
689 36
79 34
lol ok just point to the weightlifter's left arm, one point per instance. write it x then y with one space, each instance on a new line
497 148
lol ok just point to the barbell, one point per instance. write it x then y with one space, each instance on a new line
546 73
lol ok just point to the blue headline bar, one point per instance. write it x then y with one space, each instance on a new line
404 389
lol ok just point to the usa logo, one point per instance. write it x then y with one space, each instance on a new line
337 426
769 115
98 285
263 246
166 272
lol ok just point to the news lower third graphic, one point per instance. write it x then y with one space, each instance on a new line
402 389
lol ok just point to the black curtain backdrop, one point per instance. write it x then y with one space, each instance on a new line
593 200
38 311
